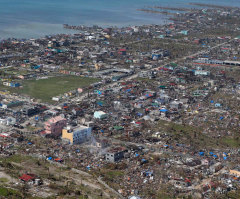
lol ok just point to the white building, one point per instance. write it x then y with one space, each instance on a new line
76 135
8 121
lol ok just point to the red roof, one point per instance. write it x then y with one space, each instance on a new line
43 132
127 117
4 135
58 159
27 177
187 180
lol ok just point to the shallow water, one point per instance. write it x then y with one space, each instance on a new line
31 18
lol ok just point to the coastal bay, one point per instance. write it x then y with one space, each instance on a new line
33 19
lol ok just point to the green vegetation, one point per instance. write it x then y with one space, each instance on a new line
164 195
185 134
110 175
16 165
233 194
113 174
165 192
232 142
13 72
45 89
3 180
213 32
193 136
10 193
177 49
15 158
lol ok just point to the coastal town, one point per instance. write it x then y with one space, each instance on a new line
138 112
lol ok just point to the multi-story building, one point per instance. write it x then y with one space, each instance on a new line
30 110
76 135
115 154
55 125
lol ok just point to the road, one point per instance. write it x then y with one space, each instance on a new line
204 51
87 180
85 95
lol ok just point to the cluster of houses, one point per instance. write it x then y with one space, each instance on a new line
148 117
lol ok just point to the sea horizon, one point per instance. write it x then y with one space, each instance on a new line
33 19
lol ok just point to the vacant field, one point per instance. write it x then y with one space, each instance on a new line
45 89
190 135
13 71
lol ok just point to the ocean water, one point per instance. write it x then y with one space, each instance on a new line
32 18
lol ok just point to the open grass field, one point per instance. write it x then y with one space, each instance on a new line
45 89
193 136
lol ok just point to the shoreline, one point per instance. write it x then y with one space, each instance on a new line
162 10
212 5
79 28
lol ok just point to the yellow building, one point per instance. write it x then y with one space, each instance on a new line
97 67
235 172
66 134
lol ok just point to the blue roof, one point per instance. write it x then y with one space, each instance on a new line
163 110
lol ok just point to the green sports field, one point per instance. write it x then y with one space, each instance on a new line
45 89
